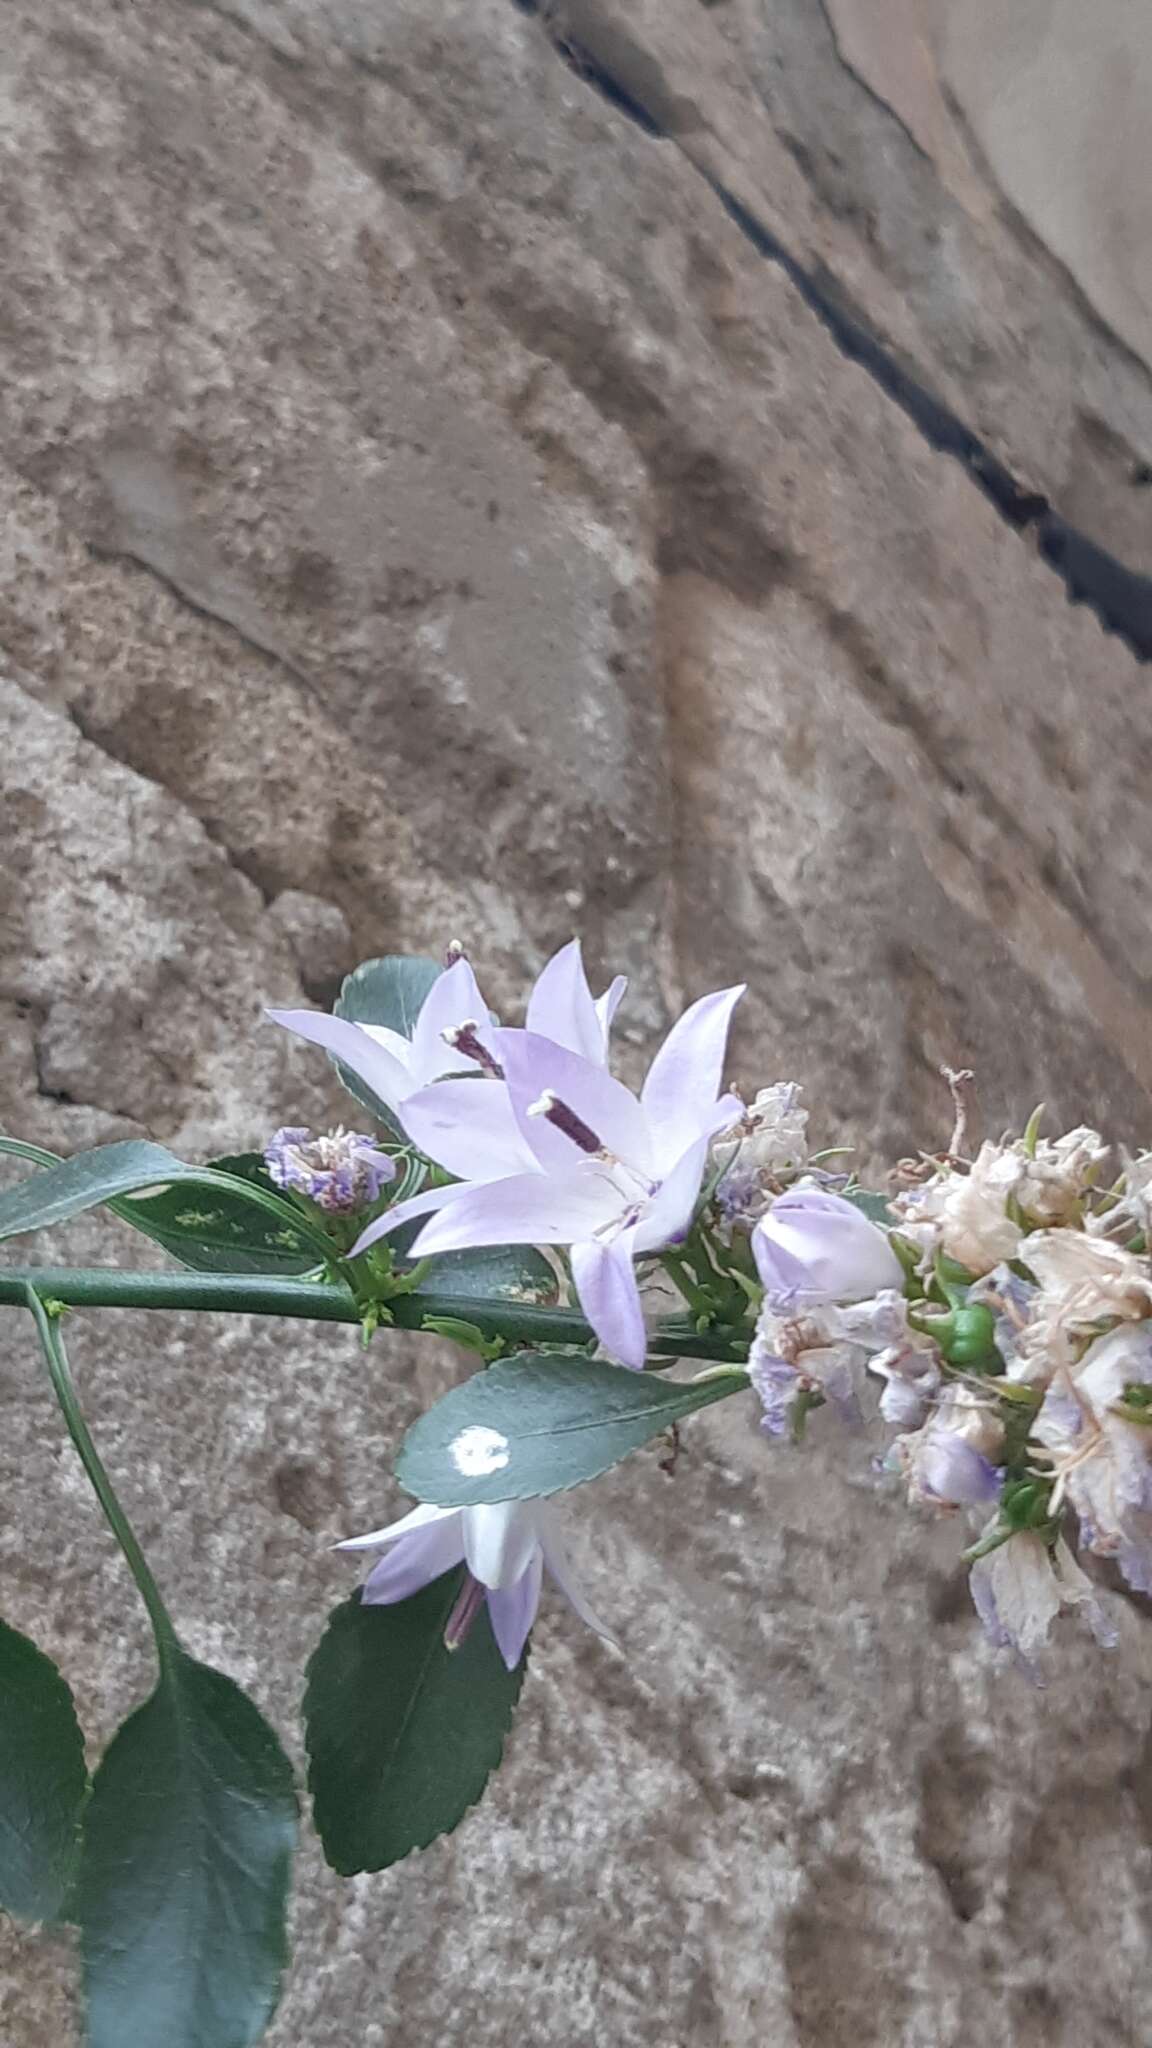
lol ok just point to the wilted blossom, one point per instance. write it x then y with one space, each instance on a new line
1083 1283
814 1247
506 1547
1009 1298
952 1461
1057 1175
1100 1459
1020 1587
558 1152
770 1139
964 1214
822 1351
341 1172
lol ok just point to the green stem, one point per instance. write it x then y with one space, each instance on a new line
48 1327
241 1294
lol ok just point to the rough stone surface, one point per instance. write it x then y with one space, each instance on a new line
426 514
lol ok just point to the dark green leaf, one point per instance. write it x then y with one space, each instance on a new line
183 1883
496 1273
402 1734
110 1171
220 1230
542 1421
875 1207
43 1781
390 991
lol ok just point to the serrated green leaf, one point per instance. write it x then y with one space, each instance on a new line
389 991
109 1172
875 1206
402 1733
542 1421
220 1230
43 1781
184 1873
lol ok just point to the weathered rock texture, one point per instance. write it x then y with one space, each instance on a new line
429 511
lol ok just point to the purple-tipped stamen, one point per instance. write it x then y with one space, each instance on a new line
471 1600
465 1038
566 1120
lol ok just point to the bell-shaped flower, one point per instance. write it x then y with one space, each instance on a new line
453 1029
561 1153
814 1247
506 1548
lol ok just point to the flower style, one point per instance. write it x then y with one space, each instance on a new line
453 1030
505 1547
558 1152
341 1172
814 1247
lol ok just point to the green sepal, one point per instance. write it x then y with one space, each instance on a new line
541 1421
403 1734
43 1781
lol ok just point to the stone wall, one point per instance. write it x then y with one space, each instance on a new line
473 471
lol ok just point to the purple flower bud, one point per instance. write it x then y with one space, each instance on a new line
814 1247
340 1172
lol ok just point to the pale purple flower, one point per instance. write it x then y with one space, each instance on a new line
506 1548
453 1030
559 1152
395 1067
341 1171
815 1247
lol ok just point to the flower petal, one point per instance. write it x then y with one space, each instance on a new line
512 1611
668 1214
606 1284
468 1127
404 1212
454 999
684 1078
374 1064
528 1208
500 1541
534 1065
414 1562
607 1006
417 1518
560 1006
561 1569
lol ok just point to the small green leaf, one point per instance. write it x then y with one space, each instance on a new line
184 1874
390 991
402 1733
111 1171
875 1206
542 1421
43 1781
220 1231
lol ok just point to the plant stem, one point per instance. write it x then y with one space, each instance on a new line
519 1322
48 1327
